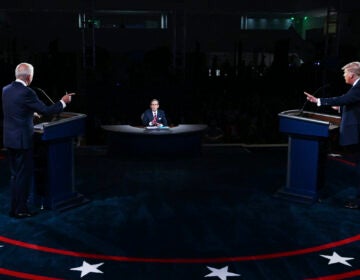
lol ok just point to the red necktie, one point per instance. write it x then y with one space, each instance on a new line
155 118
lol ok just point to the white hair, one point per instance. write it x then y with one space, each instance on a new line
23 70
353 67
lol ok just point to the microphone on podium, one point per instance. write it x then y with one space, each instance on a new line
43 92
314 94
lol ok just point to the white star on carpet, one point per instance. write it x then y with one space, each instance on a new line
335 258
87 268
222 273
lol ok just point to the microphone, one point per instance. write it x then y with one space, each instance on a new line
314 94
43 92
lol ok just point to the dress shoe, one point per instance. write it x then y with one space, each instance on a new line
351 204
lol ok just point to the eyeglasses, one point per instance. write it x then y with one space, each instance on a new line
154 104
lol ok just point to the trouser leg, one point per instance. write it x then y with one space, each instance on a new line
21 169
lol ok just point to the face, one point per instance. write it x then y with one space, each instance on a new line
348 76
154 105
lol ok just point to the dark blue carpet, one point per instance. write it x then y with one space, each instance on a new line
181 218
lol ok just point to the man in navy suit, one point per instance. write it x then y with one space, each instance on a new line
350 117
20 103
154 116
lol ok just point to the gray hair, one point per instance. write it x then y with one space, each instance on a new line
352 67
23 70
156 100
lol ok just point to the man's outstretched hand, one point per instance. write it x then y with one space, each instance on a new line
67 97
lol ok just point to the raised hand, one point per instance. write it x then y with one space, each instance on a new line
310 97
67 97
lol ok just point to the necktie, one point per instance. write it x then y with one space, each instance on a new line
155 118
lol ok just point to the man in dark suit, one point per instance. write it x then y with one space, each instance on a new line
350 118
20 103
154 116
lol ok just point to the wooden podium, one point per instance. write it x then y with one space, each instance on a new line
54 161
308 134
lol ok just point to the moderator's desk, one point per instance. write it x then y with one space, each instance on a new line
184 139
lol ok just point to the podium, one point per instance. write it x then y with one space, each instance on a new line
308 134
54 161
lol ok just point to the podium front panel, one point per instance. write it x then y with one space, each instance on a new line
308 134
56 137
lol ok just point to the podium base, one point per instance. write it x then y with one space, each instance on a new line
60 205
76 201
287 194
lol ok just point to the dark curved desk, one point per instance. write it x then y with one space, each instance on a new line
184 139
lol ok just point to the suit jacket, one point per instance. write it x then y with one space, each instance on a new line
19 104
350 114
148 117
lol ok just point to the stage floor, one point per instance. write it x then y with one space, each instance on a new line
212 215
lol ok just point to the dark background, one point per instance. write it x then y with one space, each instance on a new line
117 55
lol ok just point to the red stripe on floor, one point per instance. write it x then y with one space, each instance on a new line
345 275
181 260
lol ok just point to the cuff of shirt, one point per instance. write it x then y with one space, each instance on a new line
318 102
63 104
